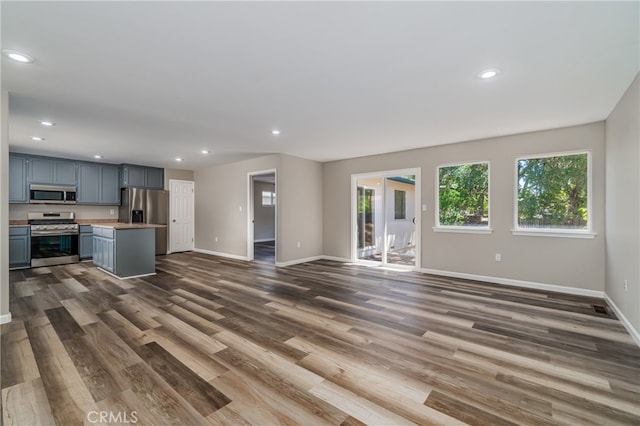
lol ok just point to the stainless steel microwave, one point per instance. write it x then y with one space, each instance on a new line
52 194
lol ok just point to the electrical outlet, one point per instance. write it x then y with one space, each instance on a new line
112 212
216 239
498 257
298 244
626 285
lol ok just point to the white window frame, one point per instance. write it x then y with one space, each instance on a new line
483 229
555 232
272 198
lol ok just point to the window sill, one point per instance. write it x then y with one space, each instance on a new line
463 229
554 233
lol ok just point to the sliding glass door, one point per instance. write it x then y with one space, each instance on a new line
385 222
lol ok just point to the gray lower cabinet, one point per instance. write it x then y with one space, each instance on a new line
125 252
17 178
86 242
19 247
98 184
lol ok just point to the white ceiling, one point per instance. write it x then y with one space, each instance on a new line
143 82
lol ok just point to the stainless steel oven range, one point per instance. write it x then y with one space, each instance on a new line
54 238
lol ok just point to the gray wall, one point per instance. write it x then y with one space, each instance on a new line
559 261
221 206
623 204
176 174
4 207
264 228
299 209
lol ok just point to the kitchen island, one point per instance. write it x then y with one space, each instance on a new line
125 250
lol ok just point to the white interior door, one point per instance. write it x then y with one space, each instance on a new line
181 212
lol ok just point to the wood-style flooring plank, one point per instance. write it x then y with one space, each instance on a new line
211 340
26 403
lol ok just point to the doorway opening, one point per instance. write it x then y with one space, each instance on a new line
385 219
261 242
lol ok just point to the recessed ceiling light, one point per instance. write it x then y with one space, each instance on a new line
489 73
37 138
205 151
98 156
17 56
179 159
47 123
275 132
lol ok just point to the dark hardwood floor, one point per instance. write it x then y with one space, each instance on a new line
213 340
265 251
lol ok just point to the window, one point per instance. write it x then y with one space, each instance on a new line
553 193
400 204
463 197
268 198
366 220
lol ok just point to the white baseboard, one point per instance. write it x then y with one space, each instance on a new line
6 318
217 253
313 258
517 283
125 278
627 324
298 261
264 240
336 259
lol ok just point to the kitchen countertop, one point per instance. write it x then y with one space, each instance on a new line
93 221
119 225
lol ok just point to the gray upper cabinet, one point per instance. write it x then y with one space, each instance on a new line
133 176
64 172
17 178
98 184
109 187
52 171
141 177
155 178
88 183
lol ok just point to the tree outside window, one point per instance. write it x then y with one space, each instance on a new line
553 192
463 195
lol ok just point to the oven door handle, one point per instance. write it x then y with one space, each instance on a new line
52 233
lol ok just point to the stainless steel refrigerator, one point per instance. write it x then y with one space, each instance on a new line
141 205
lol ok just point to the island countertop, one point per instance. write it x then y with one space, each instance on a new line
121 225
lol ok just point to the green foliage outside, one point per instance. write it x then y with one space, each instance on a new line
552 192
464 195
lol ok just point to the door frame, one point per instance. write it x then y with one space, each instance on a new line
250 211
193 214
384 174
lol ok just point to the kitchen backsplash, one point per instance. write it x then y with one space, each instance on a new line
19 211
